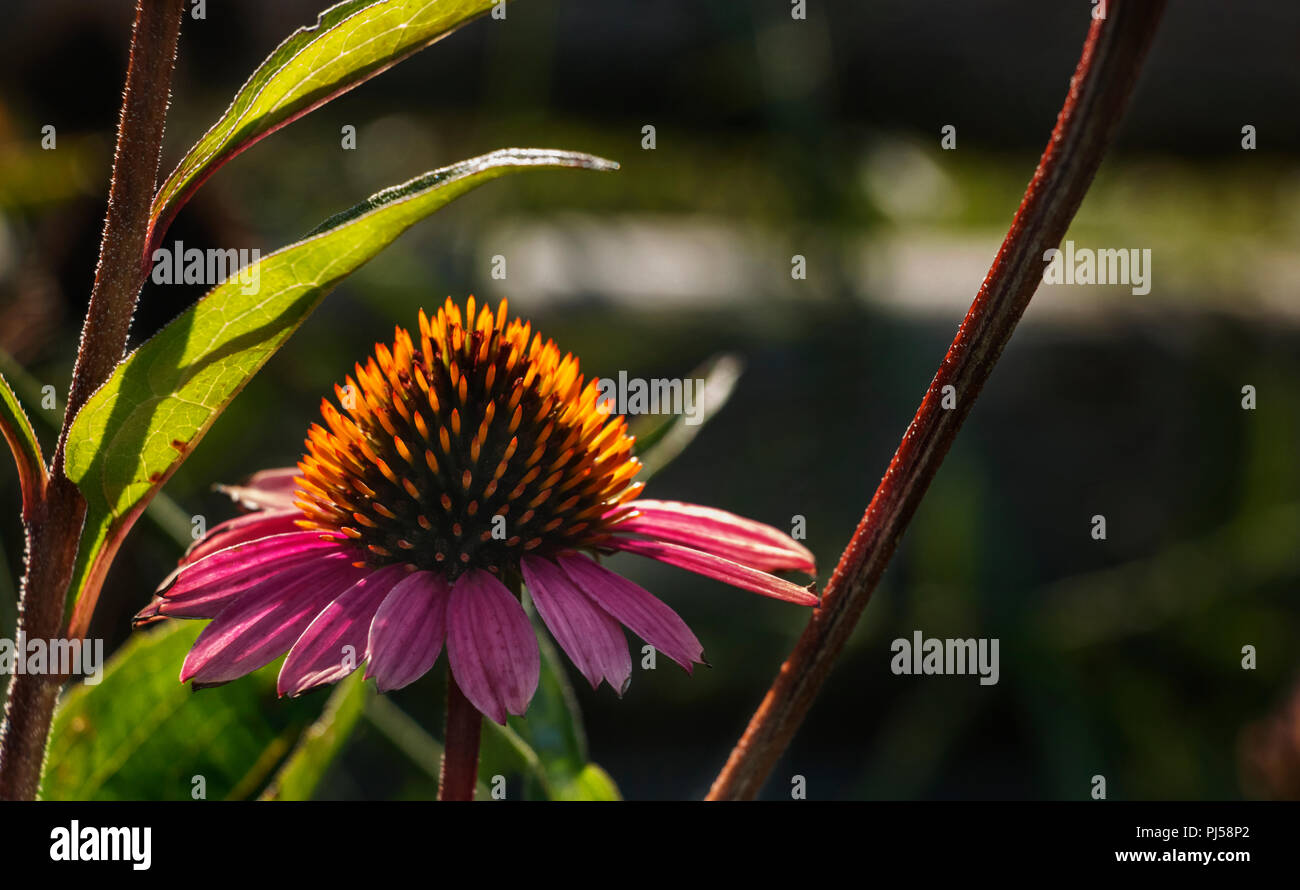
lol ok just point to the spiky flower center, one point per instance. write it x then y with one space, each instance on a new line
477 446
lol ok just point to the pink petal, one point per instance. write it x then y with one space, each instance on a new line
586 632
251 556
208 600
725 570
334 644
407 631
255 630
267 490
491 646
248 527
718 532
643 613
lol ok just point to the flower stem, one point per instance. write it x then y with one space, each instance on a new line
1099 92
55 525
460 756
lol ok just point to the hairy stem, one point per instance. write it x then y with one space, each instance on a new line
1099 92
121 271
460 756
54 528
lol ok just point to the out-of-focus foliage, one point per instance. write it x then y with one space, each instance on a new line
321 743
139 734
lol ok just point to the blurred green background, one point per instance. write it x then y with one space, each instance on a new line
777 137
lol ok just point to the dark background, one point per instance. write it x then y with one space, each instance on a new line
776 137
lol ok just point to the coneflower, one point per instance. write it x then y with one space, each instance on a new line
458 467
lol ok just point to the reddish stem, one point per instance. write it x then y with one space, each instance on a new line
55 524
1099 92
121 272
460 758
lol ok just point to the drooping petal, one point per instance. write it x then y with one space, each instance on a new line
249 557
334 644
149 614
493 651
266 490
718 532
641 611
253 631
587 633
208 600
248 527
725 570
407 632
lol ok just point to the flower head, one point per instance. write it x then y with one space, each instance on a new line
452 470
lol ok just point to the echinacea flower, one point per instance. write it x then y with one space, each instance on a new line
458 467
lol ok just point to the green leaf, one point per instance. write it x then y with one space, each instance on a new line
660 438
321 743
165 513
593 783
136 429
140 734
349 44
17 431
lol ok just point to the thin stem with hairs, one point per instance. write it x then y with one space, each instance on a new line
1099 93
55 524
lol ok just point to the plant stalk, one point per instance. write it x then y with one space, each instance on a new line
460 756
1099 92
55 526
